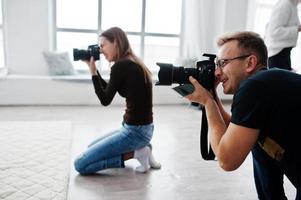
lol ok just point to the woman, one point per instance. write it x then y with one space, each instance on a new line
132 80
282 33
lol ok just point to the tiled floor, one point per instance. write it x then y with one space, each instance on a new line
184 174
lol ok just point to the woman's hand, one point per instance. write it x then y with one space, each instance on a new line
92 66
200 94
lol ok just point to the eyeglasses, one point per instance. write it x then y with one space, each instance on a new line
220 63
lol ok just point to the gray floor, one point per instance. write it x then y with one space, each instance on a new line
184 174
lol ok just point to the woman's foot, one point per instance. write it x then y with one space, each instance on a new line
153 163
143 156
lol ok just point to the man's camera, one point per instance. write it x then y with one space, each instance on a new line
203 73
81 54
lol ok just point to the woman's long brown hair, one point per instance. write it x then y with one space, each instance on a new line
124 50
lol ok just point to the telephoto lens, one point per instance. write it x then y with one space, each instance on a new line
203 73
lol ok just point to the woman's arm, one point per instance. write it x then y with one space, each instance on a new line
104 91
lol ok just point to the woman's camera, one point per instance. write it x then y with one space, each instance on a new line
81 54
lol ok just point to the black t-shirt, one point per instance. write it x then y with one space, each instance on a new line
270 100
128 79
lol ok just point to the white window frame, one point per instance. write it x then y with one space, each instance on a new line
141 33
2 68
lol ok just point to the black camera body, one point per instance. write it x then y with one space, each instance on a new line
81 54
203 73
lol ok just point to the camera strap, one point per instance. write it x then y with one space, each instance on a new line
206 152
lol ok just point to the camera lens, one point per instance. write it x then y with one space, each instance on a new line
168 74
179 75
165 74
79 54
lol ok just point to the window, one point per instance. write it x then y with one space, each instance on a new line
262 16
153 27
2 63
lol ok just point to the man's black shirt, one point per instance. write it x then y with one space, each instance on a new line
270 100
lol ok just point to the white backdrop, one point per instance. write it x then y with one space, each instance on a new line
205 20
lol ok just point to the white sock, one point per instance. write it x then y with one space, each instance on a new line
143 156
153 163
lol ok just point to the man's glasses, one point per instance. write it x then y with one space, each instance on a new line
220 63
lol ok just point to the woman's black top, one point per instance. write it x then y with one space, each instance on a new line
128 79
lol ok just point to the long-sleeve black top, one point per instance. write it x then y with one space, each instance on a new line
127 78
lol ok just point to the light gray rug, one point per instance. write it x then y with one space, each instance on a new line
34 160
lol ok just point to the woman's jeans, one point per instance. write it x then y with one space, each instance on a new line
107 151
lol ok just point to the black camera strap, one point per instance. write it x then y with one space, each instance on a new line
206 152
206 149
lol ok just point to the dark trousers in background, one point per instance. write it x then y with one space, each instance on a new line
281 60
268 176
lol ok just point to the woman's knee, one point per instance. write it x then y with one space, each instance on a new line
79 165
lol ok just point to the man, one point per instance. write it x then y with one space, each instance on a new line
264 119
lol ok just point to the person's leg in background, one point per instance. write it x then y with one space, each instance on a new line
281 60
267 175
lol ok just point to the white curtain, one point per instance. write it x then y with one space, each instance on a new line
198 29
204 21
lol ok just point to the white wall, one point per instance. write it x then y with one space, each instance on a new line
41 90
235 15
27 35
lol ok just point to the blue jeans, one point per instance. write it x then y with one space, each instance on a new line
107 151
268 176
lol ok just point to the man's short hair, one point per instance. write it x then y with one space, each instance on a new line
249 42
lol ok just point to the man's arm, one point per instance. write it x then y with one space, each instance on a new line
226 116
235 145
230 143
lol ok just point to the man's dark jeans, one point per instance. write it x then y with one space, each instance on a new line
268 176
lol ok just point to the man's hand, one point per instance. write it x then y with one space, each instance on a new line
200 94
